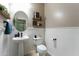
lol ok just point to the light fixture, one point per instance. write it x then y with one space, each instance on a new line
58 15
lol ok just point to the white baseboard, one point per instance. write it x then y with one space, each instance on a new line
50 53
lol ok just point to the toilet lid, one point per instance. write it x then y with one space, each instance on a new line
41 47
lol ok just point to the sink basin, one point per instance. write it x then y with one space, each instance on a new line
20 38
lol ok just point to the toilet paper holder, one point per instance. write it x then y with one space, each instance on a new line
54 39
55 42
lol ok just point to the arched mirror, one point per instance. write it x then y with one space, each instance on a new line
20 21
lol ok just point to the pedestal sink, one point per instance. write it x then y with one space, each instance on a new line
20 45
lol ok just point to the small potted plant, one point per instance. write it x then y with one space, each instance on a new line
4 12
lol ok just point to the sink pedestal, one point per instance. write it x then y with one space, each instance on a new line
21 48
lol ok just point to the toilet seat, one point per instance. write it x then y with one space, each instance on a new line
41 48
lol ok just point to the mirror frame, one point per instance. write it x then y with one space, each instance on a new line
17 16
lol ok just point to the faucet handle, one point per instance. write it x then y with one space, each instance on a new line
21 34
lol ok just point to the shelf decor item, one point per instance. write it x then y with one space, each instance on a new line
37 15
37 20
4 12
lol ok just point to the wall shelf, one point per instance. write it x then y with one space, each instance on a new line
38 22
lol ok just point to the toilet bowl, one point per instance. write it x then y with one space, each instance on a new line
42 50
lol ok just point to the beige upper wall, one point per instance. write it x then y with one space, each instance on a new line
36 7
69 15
39 7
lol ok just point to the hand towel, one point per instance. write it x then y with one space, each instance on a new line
8 27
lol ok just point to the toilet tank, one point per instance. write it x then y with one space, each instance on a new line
38 41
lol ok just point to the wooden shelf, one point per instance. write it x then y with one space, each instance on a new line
38 23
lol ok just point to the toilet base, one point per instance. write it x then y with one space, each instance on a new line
42 54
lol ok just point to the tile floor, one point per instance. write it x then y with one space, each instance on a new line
33 53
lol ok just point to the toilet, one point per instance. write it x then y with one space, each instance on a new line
42 50
40 47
